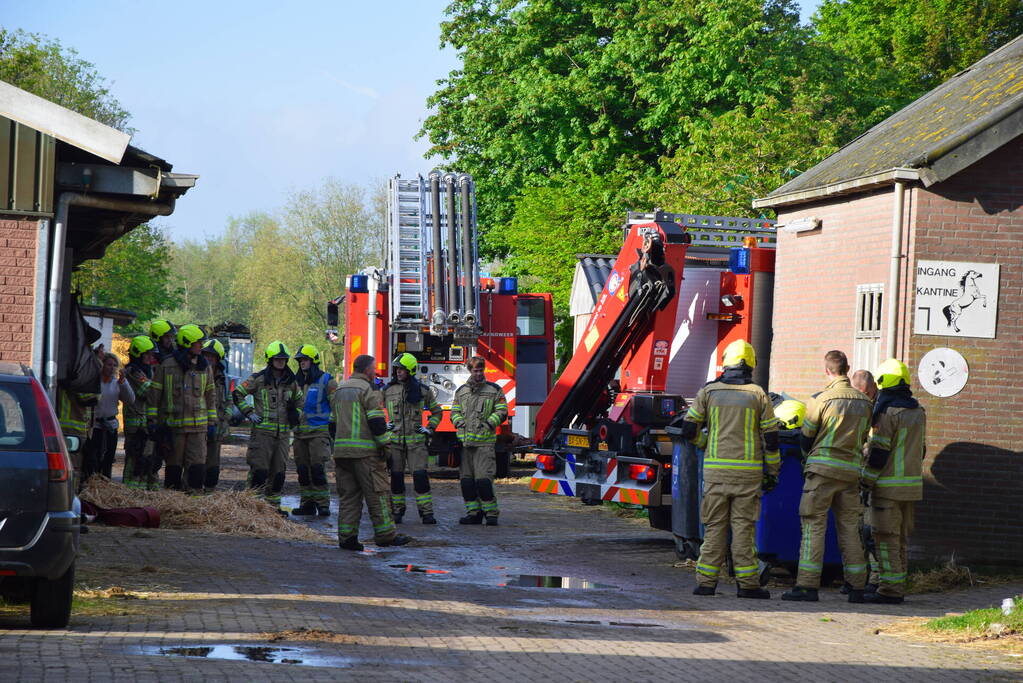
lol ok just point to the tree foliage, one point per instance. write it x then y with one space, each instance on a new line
134 274
44 67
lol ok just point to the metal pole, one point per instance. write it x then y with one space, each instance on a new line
893 271
449 188
468 269
438 316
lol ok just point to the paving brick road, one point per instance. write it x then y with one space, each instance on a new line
358 616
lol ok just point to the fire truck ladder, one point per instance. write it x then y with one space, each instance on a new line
407 230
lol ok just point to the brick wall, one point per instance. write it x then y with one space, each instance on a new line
17 288
974 500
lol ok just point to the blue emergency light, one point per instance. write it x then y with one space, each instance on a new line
508 285
738 260
359 284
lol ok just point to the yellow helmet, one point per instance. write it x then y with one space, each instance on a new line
407 361
158 328
738 351
189 334
140 345
308 351
214 346
276 349
891 373
791 413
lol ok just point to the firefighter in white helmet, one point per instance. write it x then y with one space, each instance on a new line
740 461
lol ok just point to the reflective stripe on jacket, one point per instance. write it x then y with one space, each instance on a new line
74 412
837 421
408 417
737 418
901 432
135 413
355 403
183 398
271 397
477 411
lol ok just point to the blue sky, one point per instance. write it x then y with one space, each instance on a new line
260 98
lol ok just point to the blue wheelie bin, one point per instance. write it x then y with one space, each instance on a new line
779 534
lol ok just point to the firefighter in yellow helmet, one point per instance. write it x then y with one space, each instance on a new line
740 461
182 399
892 476
164 335
213 350
406 398
276 400
138 447
834 430
312 445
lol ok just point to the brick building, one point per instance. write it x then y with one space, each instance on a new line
69 186
876 248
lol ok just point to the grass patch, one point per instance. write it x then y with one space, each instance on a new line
627 510
89 602
983 622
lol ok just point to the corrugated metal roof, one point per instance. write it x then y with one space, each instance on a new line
961 108
591 272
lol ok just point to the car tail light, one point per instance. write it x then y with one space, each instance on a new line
57 461
547 463
642 472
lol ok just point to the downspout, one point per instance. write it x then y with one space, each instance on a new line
893 270
64 204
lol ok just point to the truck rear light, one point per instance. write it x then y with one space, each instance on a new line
602 432
642 472
547 463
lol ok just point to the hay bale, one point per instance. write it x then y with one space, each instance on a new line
241 513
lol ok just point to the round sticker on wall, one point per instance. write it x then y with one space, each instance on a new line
943 372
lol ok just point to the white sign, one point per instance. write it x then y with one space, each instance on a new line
956 299
943 372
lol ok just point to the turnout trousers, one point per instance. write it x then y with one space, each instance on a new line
187 463
267 459
414 456
363 480
891 522
479 464
138 460
724 507
312 453
821 493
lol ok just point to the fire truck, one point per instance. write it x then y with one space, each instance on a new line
682 288
430 299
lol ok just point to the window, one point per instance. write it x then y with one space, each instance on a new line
18 431
867 338
530 317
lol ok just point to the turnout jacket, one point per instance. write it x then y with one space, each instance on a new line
836 424
317 387
182 395
75 412
221 399
276 400
407 417
901 432
477 411
359 414
738 417
135 413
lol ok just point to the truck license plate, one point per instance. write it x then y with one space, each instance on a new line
578 441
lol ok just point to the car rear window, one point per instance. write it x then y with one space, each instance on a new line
19 424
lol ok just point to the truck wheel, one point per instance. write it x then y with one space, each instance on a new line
660 517
51 600
503 464
686 549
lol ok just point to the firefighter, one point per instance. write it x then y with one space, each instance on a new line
182 399
138 448
75 414
478 409
740 462
360 464
213 350
274 413
892 476
863 381
405 398
312 438
834 430
163 333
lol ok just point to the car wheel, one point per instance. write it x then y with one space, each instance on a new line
51 600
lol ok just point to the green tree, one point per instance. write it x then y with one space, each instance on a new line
44 67
134 274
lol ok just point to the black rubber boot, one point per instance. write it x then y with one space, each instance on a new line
705 590
196 478
882 599
755 593
399 539
306 508
172 477
323 510
212 479
472 518
429 519
491 520
351 543
855 595
800 594
398 515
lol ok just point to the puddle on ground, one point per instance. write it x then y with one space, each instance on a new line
251 653
418 569
549 581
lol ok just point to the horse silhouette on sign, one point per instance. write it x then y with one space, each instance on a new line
971 292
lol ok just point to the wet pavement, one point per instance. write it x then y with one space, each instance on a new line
557 591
